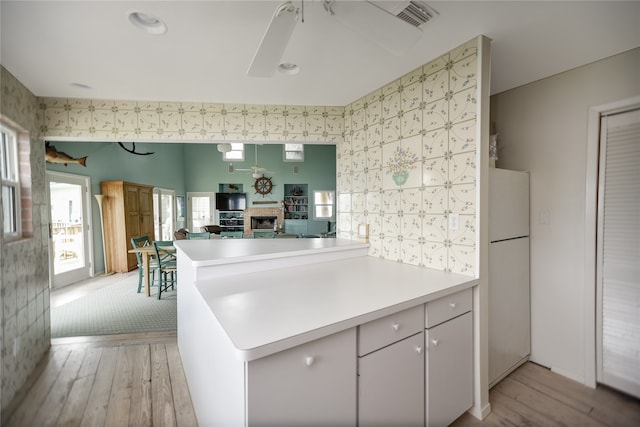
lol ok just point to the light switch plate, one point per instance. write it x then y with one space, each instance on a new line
454 221
363 231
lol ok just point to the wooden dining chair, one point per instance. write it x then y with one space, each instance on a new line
167 267
232 234
137 242
198 236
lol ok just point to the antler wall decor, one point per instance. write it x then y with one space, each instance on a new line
133 149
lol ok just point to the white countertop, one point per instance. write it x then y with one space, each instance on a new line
270 311
204 253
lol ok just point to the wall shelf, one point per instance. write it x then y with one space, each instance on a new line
232 220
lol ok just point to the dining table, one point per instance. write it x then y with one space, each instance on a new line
147 252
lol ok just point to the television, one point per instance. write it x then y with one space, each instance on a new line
231 201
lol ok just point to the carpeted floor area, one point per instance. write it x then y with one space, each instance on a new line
115 309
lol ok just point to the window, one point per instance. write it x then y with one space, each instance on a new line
323 202
293 152
236 153
10 182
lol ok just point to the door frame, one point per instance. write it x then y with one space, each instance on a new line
87 223
591 228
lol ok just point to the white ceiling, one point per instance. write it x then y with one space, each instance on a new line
48 45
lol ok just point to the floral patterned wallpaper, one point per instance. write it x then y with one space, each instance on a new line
406 162
90 119
406 153
24 265
407 166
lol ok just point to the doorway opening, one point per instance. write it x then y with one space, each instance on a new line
70 254
200 209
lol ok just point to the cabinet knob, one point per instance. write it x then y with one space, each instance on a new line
452 305
434 342
419 350
309 360
396 326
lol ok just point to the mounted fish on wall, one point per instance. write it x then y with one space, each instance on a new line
54 156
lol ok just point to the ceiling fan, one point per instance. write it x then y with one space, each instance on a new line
393 25
256 171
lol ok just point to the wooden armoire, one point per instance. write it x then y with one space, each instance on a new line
128 212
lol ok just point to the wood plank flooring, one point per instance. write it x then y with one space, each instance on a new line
137 380
117 380
534 396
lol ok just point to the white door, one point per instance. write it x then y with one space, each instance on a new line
70 251
618 263
164 213
200 210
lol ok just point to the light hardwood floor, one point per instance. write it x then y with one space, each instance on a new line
534 396
117 380
137 379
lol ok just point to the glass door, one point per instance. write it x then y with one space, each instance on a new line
163 211
70 253
200 209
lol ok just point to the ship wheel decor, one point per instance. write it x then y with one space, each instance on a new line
263 185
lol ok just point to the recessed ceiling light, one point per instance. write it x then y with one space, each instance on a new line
80 85
148 23
288 68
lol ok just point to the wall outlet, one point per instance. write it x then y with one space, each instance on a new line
454 221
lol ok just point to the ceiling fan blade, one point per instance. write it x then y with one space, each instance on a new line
376 24
274 41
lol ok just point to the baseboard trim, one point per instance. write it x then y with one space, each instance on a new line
480 413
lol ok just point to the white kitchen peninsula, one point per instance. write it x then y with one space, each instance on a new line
271 331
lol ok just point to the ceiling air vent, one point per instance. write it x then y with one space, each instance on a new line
416 14
412 12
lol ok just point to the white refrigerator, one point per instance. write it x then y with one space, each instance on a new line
509 297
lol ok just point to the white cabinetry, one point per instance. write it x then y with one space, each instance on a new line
449 358
391 385
312 384
337 350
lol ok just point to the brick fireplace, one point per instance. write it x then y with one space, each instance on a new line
263 218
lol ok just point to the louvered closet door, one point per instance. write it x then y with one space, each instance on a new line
619 253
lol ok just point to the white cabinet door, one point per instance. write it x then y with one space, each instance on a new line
391 385
312 384
449 375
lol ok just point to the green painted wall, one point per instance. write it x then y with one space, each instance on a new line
206 170
107 161
194 168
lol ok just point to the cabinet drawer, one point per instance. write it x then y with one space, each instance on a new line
448 307
387 330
